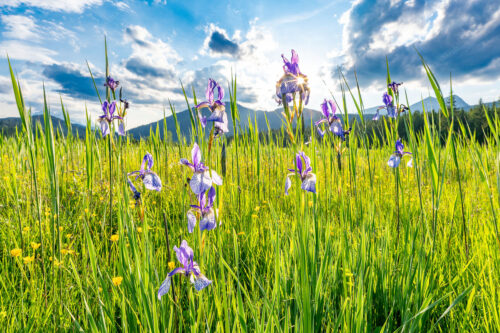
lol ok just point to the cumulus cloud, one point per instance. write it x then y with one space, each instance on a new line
462 37
217 42
70 6
72 80
19 27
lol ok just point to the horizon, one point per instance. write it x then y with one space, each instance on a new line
155 45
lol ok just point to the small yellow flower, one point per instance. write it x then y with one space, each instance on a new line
255 216
86 210
154 202
100 289
310 203
114 238
101 198
16 252
5 178
69 236
117 280
61 228
257 208
3 314
28 259
57 263
26 229
171 265
139 229
35 245
241 233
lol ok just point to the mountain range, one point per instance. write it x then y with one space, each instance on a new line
246 115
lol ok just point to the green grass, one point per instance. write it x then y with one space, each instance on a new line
364 254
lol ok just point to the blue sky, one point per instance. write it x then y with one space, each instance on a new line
153 45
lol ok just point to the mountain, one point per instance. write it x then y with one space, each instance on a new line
431 103
246 115
8 125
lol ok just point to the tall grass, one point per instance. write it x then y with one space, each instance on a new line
417 250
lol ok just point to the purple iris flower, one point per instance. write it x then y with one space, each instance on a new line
216 106
388 105
150 179
202 176
111 83
334 123
107 118
292 81
205 210
304 171
394 87
395 158
189 269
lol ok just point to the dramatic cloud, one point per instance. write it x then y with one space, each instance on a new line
72 81
461 37
218 43
75 6
221 44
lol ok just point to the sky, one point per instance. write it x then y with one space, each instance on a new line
153 46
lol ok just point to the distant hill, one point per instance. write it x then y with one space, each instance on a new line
245 114
431 103
8 125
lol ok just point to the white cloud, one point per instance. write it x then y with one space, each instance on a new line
19 27
22 51
71 6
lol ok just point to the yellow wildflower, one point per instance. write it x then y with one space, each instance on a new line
117 280
86 210
26 229
100 289
114 238
35 245
257 208
3 314
241 233
28 259
254 216
139 229
171 265
57 263
16 252
310 203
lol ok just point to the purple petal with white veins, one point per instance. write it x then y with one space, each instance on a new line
121 129
216 115
165 287
207 221
151 181
178 270
309 183
394 161
104 127
196 155
320 132
387 99
186 162
200 282
332 106
324 109
191 221
216 178
201 181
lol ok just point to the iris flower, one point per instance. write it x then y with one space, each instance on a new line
216 106
394 87
150 179
304 171
292 81
189 269
205 210
203 177
395 158
108 117
111 83
334 123
388 105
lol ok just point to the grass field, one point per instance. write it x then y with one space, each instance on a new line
412 249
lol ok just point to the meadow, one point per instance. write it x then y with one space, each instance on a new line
374 249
